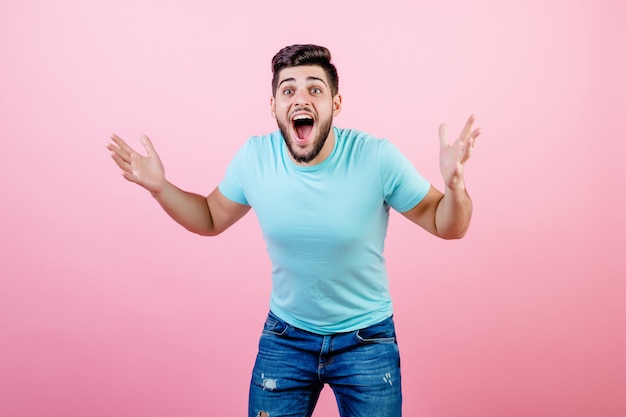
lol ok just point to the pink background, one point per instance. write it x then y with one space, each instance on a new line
108 308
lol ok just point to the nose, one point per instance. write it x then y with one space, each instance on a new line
301 97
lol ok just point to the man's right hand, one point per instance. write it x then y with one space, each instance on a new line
146 171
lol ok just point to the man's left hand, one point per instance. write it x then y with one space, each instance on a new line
452 156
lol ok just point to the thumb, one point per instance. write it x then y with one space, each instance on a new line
443 134
147 144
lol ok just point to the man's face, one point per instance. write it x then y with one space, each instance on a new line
304 107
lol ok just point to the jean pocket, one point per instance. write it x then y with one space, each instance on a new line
274 325
383 332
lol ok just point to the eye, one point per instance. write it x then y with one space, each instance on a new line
287 91
316 90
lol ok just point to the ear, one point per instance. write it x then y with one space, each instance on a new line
273 107
336 104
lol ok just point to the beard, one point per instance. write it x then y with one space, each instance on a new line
318 141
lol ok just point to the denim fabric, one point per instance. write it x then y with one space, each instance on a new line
292 366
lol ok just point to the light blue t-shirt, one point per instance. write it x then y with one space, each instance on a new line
325 225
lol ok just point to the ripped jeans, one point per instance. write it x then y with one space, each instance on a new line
362 368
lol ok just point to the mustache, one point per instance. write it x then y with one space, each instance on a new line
301 109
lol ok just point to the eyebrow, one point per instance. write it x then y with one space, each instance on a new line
307 78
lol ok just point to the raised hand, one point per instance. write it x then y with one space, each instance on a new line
452 156
147 171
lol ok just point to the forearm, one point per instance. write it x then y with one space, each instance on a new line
453 215
190 210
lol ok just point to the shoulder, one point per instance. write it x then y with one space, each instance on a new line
358 141
267 141
257 147
353 135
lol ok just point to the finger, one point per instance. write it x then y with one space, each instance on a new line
115 150
469 145
466 150
470 141
443 135
121 162
119 142
147 144
475 134
129 176
468 127
122 149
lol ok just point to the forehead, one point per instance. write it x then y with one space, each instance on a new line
302 73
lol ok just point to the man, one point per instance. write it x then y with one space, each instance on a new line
322 196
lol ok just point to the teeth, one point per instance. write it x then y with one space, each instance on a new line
302 116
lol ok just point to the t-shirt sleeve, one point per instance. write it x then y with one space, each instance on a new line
404 187
232 185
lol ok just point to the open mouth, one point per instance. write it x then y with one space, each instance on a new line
303 125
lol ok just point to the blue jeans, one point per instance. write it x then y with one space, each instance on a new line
361 367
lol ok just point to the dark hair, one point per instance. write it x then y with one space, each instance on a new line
296 55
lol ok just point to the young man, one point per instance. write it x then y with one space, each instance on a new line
322 196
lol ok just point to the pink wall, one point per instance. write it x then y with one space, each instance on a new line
107 308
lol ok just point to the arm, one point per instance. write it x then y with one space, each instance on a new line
207 216
447 215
